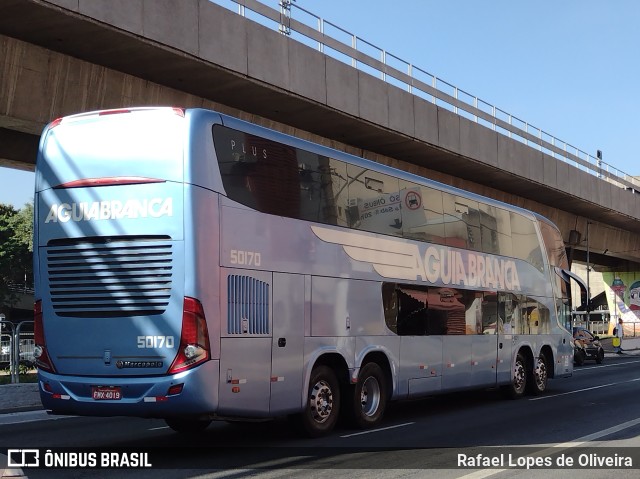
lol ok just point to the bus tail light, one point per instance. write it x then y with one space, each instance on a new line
54 123
194 338
43 361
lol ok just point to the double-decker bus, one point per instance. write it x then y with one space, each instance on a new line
191 266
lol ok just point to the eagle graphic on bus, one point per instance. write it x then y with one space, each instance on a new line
438 265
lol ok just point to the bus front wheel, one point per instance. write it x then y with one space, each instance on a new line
323 403
370 396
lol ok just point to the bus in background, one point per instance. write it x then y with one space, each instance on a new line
191 266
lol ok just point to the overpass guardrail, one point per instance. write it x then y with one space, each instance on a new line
306 27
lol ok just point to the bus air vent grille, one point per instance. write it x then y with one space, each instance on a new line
116 278
248 305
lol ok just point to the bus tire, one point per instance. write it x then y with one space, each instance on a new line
322 406
369 396
518 385
186 426
537 380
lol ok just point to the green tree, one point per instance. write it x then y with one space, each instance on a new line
16 248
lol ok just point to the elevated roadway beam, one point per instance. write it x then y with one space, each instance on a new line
195 53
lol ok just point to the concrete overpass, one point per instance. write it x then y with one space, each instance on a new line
59 57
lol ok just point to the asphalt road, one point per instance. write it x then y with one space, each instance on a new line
598 407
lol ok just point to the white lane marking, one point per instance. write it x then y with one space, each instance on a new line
582 390
158 428
378 430
598 366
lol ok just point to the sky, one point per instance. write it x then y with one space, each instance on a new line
568 67
16 187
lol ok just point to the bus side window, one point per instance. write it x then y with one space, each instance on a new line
490 319
374 201
412 313
422 214
462 222
526 245
390 306
495 229
473 312
506 323
406 310
418 311
258 172
322 182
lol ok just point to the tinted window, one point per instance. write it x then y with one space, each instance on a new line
259 173
557 255
554 245
490 321
374 201
525 241
495 228
282 180
417 311
323 192
422 214
279 179
461 222
523 315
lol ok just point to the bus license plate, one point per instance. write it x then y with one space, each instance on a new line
102 393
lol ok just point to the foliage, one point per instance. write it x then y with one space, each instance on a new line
26 376
16 247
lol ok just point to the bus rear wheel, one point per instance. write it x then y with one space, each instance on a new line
187 425
370 396
520 373
323 403
538 379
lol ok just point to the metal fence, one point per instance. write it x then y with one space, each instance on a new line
599 322
596 327
17 347
310 29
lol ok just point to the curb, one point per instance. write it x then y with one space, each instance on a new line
13 410
19 397
629 352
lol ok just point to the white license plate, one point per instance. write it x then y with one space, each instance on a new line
106 393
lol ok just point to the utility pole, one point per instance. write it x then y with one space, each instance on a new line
588 270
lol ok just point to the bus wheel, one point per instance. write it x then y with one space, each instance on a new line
323 403
187 425
538 380
519 379
370 396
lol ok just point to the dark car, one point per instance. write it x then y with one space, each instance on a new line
586 346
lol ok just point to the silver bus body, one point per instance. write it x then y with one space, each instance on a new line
293 266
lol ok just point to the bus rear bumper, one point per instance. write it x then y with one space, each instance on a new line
148 396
